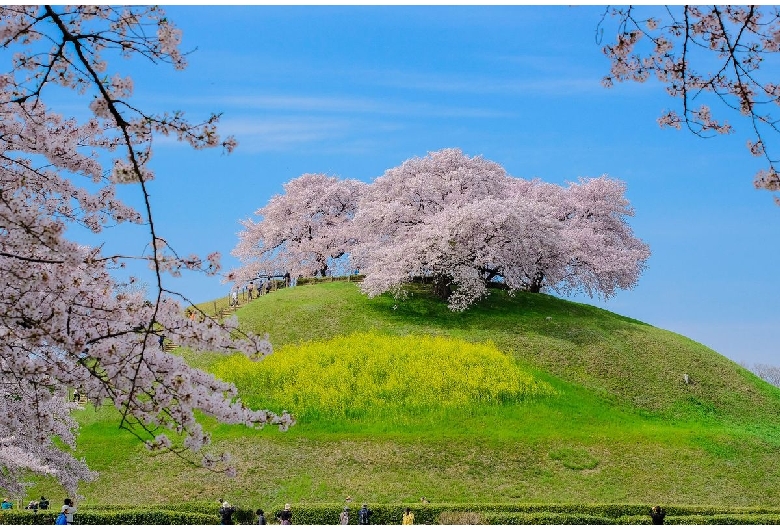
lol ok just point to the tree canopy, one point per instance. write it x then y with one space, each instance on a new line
303 232
458 222
65 321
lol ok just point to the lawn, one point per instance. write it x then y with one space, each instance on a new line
605 417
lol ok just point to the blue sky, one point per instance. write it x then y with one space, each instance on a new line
352 91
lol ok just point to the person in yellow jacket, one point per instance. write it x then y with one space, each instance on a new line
408 517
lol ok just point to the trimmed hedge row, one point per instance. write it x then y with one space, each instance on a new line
549 518
528 518
142 516
494 513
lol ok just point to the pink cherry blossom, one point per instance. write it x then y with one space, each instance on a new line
65 322
462 223
305 231
458 222
705 56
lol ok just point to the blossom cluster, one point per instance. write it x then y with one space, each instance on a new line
458 222
304 232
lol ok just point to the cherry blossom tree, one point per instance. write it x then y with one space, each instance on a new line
65 321
602 253
397 216
705 56
305 231
463 222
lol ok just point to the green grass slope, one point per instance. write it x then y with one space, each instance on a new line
618 357
618 424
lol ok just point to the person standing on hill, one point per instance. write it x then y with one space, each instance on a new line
364 515
344 516
260 517
408 517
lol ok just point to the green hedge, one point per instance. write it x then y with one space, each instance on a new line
211 509
528 518
547 518
150 516
316 514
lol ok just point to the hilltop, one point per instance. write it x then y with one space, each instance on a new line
619 425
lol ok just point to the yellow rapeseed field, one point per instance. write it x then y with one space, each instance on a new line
369 373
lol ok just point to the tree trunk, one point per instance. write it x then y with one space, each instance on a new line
536 283
441 287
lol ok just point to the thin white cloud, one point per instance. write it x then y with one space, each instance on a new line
282 134
282 103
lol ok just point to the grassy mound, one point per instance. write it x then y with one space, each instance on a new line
617 357
612 420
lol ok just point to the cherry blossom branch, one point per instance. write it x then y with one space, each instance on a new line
735 35
64 321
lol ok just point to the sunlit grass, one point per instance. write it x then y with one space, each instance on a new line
604 414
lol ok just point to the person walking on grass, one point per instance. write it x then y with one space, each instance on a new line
408 517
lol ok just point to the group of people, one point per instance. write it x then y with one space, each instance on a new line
252 291
256 290
34 505
42 504
364 515
226 511
64 517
